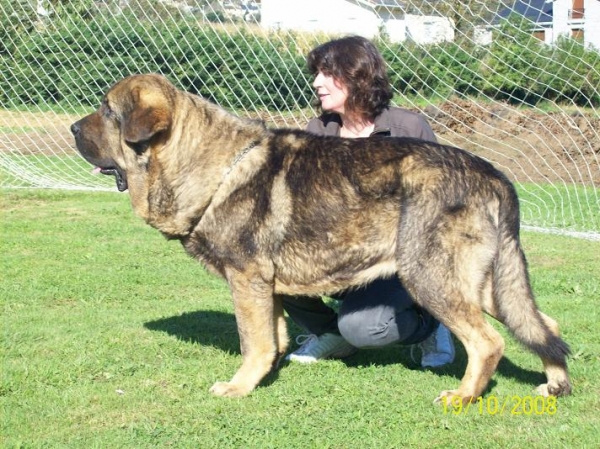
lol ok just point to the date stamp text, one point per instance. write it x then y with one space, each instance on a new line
493 405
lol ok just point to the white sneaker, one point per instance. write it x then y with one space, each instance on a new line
438 349
314 348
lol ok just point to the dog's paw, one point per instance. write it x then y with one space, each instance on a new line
445 397
452 397
554 389
229 390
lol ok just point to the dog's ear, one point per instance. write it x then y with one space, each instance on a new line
150 115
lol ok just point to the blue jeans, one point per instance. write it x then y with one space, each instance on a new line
379 314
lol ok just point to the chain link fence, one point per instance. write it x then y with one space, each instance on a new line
516 85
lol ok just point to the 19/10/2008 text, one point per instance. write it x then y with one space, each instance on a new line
492 405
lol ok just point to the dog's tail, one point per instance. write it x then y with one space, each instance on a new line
513 296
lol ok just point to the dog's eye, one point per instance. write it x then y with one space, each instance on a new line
139 147
106 110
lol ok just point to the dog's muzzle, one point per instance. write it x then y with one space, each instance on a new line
120 176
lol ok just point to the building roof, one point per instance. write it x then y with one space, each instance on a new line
538 11
388 3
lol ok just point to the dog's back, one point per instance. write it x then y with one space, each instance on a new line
452 220
346 203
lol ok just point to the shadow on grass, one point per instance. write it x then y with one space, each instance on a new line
524 376
219 329
206 327
402 354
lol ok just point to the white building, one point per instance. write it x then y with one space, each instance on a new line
576 18
367 18
553 18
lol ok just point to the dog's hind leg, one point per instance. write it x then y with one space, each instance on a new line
555 368
444 266
259 320
516 308
452 294
460 311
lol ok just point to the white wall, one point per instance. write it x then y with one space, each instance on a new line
331 16
395 30
483 35
429 29
560 16
592 23
346 17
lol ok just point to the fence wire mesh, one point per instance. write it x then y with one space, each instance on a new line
515 83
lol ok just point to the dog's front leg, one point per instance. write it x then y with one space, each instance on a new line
257 320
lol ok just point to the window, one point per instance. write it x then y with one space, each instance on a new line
578 10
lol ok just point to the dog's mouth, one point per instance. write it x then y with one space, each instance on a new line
120 177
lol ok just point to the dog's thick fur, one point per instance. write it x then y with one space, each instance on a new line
287 212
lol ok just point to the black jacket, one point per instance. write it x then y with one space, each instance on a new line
395 122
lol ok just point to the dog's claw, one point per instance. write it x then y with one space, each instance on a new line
445 397
228 390
542 390
449 397
554 389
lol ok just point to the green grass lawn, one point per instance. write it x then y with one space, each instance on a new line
112 336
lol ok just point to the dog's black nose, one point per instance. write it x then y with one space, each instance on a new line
75 128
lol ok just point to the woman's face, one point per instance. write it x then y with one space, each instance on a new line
331 92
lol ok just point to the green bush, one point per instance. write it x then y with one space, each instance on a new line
519 68
571 57
515 64
71 62
435 71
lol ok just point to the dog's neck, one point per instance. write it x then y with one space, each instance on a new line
241 155
214 153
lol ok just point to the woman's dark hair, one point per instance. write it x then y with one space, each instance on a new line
355 62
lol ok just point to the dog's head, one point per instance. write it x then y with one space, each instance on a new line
167 147
134 116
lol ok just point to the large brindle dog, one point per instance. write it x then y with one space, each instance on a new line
280 211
